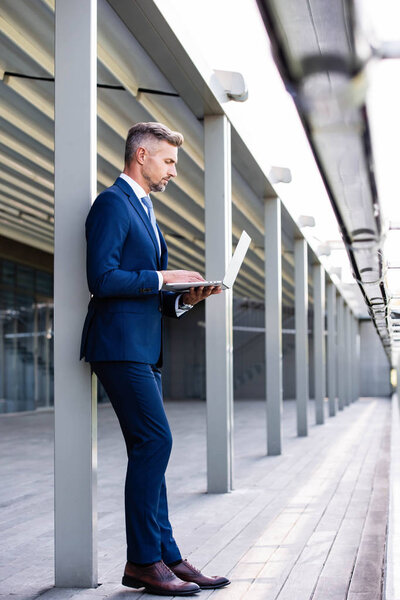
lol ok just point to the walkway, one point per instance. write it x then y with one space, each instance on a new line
308 524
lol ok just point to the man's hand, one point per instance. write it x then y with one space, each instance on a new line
197 294
181 276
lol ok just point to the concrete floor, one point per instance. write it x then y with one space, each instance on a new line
309 524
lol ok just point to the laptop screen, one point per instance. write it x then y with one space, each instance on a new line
237 259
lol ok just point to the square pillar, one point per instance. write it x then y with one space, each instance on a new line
301 319
75 188
348 355
273 323
397 367
319 342
332 349
341 347
357 357
219 336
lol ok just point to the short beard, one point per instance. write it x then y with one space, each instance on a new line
154 187
157 187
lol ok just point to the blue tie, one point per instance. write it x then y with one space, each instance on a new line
149 205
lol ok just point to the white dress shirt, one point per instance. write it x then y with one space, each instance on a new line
140 193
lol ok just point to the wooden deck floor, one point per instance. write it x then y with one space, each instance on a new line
309 524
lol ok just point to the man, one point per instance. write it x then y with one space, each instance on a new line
126 269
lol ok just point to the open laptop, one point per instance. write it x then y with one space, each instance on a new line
230 275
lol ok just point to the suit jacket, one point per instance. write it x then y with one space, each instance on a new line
124 317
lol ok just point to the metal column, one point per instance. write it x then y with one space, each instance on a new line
352 358
219 338
75 186
397 366
35 356
319 342
348 355
301 318
356 357
341 371
47 356
357 373
2 365
332 349
273 323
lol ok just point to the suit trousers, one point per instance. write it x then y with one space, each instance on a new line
135 393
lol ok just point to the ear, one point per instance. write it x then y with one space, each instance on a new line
140 155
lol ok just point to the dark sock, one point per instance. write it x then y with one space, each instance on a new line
142 564
176 562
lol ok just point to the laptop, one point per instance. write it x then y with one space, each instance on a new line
231 273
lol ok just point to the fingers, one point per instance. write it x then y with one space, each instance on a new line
180 276
197 294
216 290
209 290
205 292
194 276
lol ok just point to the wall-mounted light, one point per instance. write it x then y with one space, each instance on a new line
234 85
280 175
323 250
305 221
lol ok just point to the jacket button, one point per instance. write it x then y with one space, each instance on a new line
160 309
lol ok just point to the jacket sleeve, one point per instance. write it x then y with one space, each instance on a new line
168 304
107 227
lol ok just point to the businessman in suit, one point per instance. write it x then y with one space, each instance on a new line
126 269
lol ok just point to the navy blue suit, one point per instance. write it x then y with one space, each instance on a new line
124 316
122 340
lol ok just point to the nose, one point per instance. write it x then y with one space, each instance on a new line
172 171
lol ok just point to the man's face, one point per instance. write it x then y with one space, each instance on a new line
159 164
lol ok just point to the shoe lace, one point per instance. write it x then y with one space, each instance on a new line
165 570
192 567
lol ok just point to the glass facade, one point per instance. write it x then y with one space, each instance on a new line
26 345
26 337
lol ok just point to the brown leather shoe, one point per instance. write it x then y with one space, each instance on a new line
187 572
157 579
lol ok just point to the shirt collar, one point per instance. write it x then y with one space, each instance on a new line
139 191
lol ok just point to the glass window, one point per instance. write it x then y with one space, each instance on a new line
7 298
7 272
44 284
25 277
26 339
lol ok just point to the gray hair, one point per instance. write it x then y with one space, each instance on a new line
141 133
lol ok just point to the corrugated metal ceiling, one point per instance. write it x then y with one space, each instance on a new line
27 123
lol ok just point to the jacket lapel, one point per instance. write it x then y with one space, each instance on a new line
137 205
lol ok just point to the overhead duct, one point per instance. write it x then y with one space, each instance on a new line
314 49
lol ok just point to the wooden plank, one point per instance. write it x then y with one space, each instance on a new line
294 528
367 576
